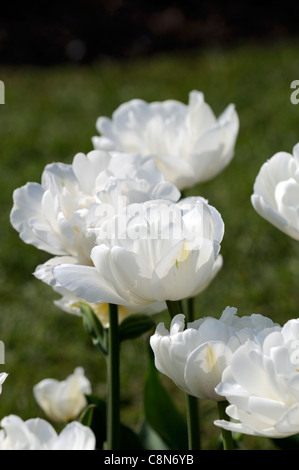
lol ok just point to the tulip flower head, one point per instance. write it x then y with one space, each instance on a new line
148 253
53 215
57 216
276 192
38 434
62 401
194 358
188 143
261 385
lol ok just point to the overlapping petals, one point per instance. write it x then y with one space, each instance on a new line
54 215
194 358
151 252
58 215
62 401
262 385
276 192
189 144
38 434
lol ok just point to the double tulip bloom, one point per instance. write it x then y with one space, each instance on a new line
150 253
58 215
276 192
195 358
55 214
262 385
188 143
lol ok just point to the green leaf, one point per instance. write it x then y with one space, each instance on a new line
150 439
86 415
94 327
135 325
161 412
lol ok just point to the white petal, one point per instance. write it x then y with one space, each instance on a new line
28 219
272 216
209 155
248 370
132 275
3 376
120 276
75 436
85 282
266 409
44 272
204 368
87 167
289 422
43 430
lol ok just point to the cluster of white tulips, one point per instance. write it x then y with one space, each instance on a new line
125 245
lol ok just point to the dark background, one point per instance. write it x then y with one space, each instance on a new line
52 32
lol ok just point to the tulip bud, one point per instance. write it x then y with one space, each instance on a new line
63 400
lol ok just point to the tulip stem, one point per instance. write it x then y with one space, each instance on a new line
173 307
192 411
228 443
190 309
113 400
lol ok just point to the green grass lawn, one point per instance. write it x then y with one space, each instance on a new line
50 115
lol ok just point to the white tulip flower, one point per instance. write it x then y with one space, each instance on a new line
38 434
57 215
151 252
261 385
194 358
53 215
276 192
63 401
188 143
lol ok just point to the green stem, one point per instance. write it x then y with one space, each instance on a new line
113 400
190 309
173 307
228 443
192 411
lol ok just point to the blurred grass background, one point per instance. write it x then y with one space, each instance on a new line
50 115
